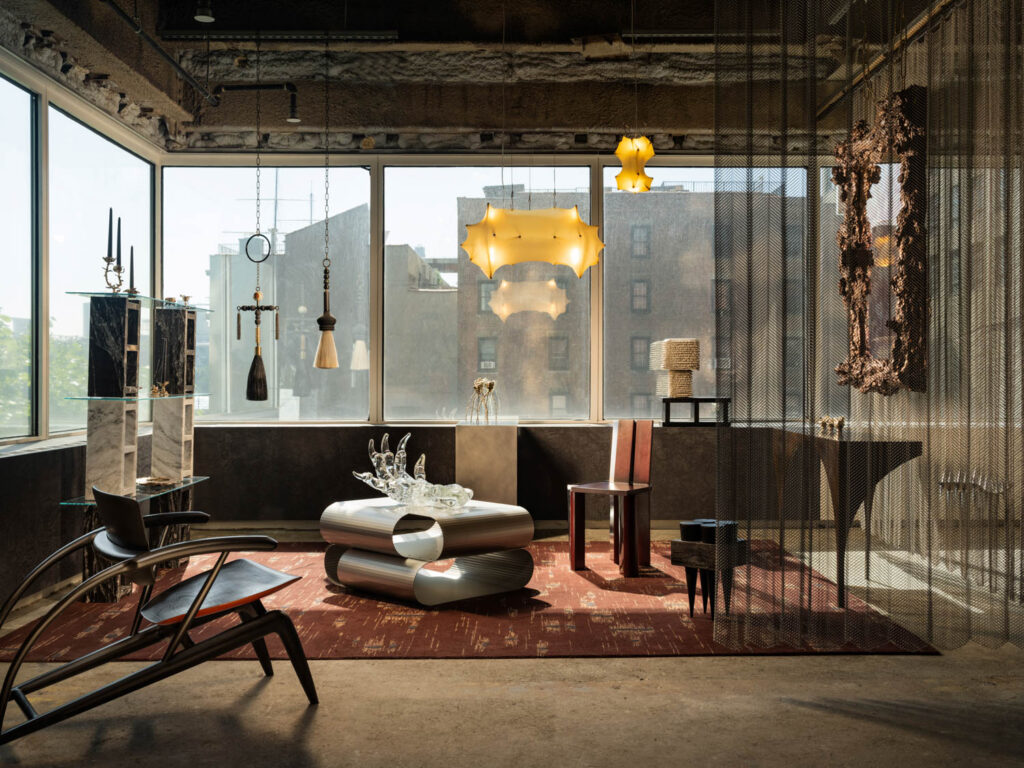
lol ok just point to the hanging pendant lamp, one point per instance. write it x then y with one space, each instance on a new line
634 151
326 350
256 382
554 235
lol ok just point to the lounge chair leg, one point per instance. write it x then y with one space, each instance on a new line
259 645
286 631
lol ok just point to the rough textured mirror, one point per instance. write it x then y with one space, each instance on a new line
899 133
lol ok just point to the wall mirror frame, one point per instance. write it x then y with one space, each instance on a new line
898 135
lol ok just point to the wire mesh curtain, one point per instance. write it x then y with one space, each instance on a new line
905 528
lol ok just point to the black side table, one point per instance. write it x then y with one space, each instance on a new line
722 415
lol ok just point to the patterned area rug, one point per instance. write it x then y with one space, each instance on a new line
561 613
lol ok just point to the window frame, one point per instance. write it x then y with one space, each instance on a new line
46 92
633 229
480 367
646 310
646 363
563 365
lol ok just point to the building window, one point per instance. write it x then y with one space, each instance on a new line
485 289
640 296
640 241
559 405
641 403
487 354
558 353
640 353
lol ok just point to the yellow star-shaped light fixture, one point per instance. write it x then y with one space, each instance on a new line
633 153
529 296
552 235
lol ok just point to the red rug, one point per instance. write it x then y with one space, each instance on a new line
561 613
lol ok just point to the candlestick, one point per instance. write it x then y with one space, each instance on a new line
131 270
118 241
110 234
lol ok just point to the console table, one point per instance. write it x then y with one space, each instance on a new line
846 456
162 498
382 546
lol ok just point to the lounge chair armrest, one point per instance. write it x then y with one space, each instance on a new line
202 547
183 517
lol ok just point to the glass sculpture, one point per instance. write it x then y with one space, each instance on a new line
390 478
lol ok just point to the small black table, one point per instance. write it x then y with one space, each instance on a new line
722 417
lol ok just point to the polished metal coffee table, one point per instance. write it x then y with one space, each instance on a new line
381 546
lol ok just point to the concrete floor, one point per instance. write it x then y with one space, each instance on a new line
964 708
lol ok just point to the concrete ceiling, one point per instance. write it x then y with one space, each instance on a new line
445 75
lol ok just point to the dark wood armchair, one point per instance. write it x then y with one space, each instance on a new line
226 588
630 493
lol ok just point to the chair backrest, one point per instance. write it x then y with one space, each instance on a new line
622 451
122 518
642 440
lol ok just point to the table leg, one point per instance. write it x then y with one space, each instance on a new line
577 531
616 531
629 565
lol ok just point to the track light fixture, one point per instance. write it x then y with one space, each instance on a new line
204 12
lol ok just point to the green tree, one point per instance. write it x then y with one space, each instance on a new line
15 379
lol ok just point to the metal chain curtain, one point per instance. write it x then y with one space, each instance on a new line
941 560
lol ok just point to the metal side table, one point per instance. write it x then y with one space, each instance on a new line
381 546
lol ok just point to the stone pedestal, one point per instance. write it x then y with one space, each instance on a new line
111 448
172 437
485 460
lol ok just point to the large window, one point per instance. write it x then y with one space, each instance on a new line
658 281
440 331
16 316
88 175
209 213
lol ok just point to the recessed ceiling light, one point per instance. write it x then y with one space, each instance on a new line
204 13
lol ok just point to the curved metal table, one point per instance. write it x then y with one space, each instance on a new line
382 546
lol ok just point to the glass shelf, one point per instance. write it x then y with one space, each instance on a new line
151 301
139 397
142 492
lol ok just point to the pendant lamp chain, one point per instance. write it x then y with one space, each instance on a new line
326 351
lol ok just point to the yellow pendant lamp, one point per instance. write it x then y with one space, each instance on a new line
529 296
552 235
633 153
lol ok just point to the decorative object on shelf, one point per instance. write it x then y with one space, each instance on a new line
113 283
132 290
157 482
382 547
528 296
831 425
256 382
390 478
633 153
675 360
326 350
159 389
553 235
899 130
483 402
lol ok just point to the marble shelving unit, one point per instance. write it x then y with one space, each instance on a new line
174 366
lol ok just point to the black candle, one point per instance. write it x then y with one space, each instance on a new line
110 234
119 241
131 268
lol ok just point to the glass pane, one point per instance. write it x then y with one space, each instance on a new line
89 175
659 272
442 327
209 213
16 317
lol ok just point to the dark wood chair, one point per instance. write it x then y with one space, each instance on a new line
236 587
629 491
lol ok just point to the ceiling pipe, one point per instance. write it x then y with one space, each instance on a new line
138 30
